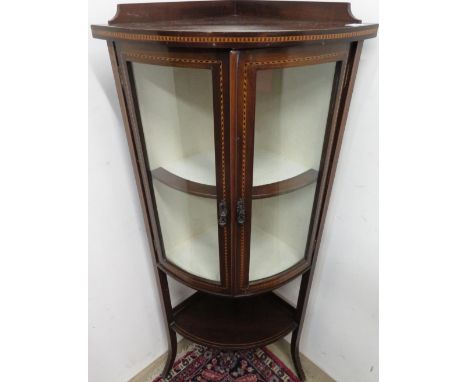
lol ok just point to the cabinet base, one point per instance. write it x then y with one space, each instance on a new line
234 323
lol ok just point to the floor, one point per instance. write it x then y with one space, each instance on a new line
280 349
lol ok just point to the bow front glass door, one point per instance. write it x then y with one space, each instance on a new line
175 107
291 112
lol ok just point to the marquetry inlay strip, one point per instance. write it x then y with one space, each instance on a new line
171 59
223 167
143 56
243 169
234 39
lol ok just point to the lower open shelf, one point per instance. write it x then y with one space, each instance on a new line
234 323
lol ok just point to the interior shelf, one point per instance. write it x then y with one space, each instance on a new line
273 175
234 323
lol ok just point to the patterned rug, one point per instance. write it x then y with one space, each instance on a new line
202 364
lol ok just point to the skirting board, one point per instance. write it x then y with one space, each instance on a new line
280 349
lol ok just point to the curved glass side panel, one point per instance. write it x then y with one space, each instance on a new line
291 115
176 109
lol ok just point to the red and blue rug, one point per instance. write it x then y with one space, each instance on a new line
202 364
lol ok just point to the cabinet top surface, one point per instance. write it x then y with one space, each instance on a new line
234 23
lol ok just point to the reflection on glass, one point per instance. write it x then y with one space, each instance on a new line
290 121
176 108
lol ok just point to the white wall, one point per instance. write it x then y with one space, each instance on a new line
125 323
341 327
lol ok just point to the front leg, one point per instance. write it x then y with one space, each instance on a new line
296 355
301 307
167 310
171 352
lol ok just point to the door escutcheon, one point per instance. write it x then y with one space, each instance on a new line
223 212
241 211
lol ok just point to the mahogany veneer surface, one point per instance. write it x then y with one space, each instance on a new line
234 323
234 23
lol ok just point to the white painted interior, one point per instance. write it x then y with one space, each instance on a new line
197 168
291 112
176 109
280 231
126 328
290 120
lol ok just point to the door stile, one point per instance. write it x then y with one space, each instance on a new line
245 134
218 64
233 149
221 108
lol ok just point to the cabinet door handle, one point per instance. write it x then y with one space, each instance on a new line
223 212
241 211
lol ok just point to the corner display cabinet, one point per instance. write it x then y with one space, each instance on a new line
234 113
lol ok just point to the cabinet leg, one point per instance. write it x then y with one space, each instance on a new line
167 310
295 355
171 353
300 313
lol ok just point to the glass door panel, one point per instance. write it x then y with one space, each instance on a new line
176 110
291 114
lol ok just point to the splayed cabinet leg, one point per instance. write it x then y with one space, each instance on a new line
295 355
171 353
300 314
167 310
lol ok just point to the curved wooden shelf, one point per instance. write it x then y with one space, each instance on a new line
207 191
285 186
181 184
234 323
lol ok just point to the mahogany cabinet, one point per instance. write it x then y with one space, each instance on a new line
234 113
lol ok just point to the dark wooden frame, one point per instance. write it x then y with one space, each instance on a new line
234 66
